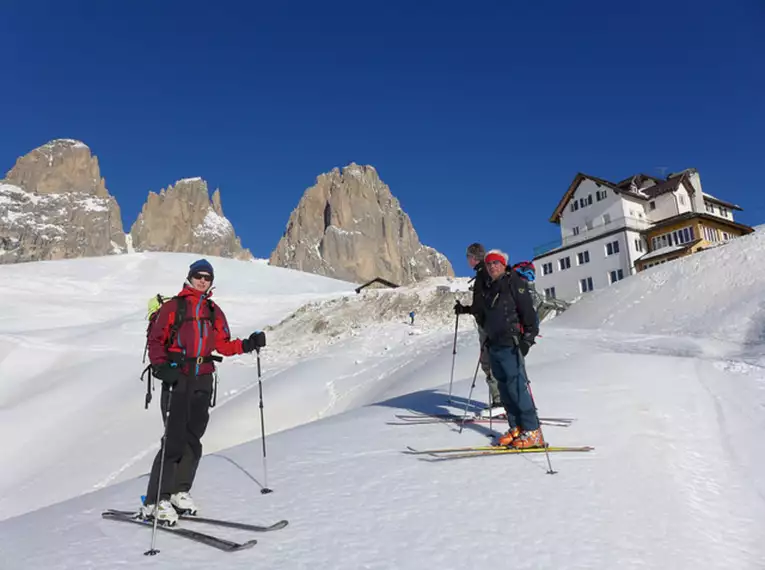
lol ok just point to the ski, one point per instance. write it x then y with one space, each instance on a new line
467 420
505 451
208 539
219 522
446 417
491 449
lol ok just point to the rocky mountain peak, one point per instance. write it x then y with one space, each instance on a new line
183 218
62 165
350 226
55 205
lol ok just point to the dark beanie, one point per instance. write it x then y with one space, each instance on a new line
476 250
201 265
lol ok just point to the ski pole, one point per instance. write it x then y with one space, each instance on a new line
454 356
265 488
166 419
521 360
470 394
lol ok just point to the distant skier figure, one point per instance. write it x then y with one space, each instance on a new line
182 360
475 254
411 316
511 325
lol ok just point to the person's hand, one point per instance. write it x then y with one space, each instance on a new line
168 372
459 308
255 341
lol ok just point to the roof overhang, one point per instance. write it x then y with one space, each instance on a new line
693 216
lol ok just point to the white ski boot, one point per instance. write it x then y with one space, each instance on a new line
183 503
165 514
492 412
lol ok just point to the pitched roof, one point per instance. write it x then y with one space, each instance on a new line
580 176
729 205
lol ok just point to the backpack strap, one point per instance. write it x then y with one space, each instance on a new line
180 316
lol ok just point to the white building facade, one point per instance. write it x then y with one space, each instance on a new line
606 228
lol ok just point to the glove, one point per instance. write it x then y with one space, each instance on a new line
255 341
525 344
168 372
459 308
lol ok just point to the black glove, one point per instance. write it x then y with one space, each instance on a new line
168 372
459 308
256 340
525 344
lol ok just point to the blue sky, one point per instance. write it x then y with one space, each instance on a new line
477 114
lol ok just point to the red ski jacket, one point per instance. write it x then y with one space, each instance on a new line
197 336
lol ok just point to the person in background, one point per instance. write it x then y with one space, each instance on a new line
475 254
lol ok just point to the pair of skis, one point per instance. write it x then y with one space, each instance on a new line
450 453
421 418
203 538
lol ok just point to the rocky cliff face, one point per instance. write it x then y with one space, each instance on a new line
183 218
349 226
54 205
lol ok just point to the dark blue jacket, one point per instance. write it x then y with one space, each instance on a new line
508 311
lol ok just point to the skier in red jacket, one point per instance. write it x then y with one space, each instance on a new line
182 359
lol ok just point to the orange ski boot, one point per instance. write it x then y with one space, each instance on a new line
528 439
507 439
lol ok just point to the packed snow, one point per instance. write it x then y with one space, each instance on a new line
663 373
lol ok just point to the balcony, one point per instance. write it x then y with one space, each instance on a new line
547 247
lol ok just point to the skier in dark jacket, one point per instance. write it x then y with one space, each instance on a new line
184 362
475 255
511 325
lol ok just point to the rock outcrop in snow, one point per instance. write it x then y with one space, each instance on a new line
55 205
182 218
349 226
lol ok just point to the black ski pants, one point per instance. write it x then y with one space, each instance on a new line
186 411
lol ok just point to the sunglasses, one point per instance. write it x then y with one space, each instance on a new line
204 276
493 263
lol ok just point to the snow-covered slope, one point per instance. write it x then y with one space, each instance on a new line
673 408
71 343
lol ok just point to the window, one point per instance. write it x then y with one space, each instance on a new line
564 263
723 212
711 234
585 285
710 208
681 198
606 219
589 200
652 205
638 244
676 237
582 257
582 202
601 195
546 268
588 224
550 293
574 206
575 230
726 236
612 247
615 276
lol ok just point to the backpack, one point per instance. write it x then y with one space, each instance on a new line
526 270
155 304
